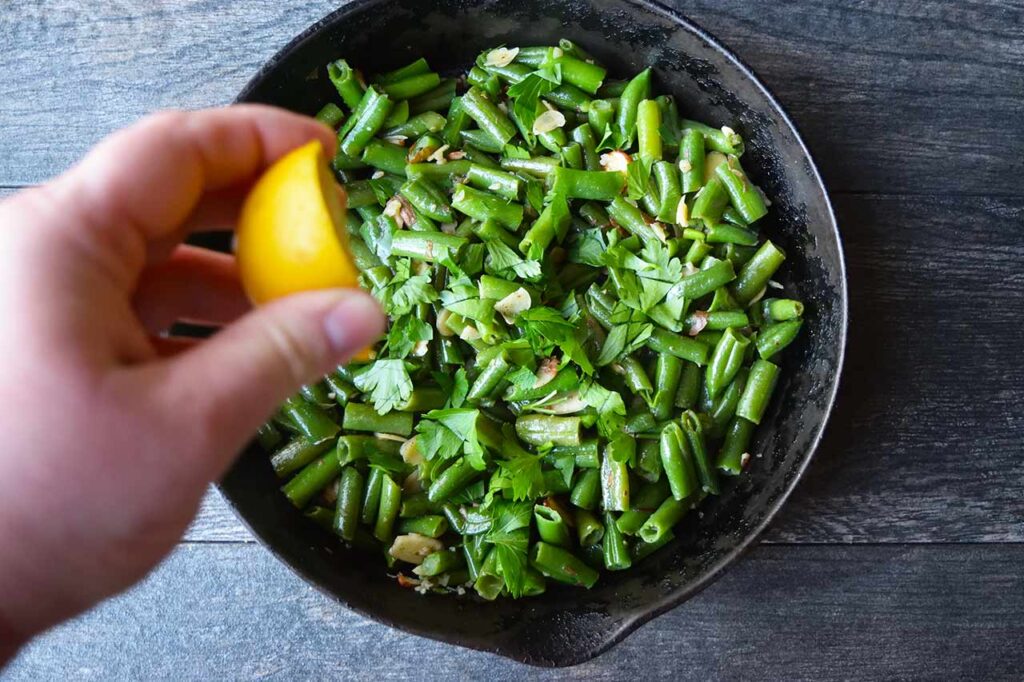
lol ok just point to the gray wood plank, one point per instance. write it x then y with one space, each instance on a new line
898 612
924 444
919 97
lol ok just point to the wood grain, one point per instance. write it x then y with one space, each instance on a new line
897 612
924 444
918 97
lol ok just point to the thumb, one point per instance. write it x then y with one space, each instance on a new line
231 383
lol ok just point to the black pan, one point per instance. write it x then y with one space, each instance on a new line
568 626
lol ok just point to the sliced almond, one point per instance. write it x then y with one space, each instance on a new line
659 231
546 371
441 324
470 333
438 155
410 452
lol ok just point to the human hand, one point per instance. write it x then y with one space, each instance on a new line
112 433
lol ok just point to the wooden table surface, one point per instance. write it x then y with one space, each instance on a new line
901 555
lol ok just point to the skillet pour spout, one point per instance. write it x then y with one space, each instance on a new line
568 626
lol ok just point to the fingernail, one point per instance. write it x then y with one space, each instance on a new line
354 323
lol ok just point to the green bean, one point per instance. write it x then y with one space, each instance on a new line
670 121
616 553
330 114
268 436
387 509
488 82
437 99
625 122
725 362
422 150
585 138
754 276
641 422
694 432
635 376
455 122
541 429
551 527
427 246
677 461
558 564
760 384
615 473
629 217
595 215
697 251
350 493
689 386
648 128
489 380
685 348
691 160
666 177
775 337
539 166
715 321
346 82
420 124
710 201
483 206
488 583
416 68
416 505
663 520
586 490
412 86
644 503
297 453
367 121
428 199
474 551
569 97
452 480
589 530
313 478
437 563
600 116
312 421
551 223
423 399
648 464
371 496
723 139
572 156
388 157
723 409
733 456
781 309
641 550
667 374
438 172
430 525
586 454
488 116
730 234
359 417
704 281
399 115
553 140
745 197
497 181
581 184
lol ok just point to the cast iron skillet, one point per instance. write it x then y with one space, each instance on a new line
568 626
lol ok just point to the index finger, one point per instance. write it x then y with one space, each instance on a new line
150 176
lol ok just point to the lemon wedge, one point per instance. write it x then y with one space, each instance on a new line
291 233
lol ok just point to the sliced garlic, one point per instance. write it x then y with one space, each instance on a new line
682 213
616 161
414 548
659 231
685 165
548 121
420 348
438 155
470 333
513 304
410 452
546 371
501 56
442 323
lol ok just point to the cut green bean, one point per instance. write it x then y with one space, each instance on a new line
350 494
558 564
760 384
359 417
